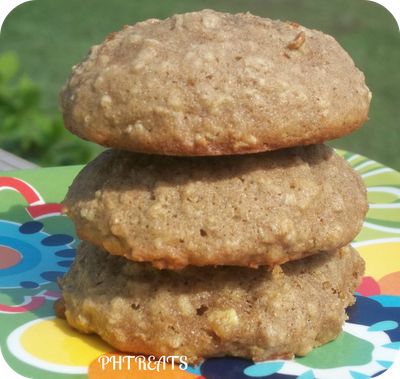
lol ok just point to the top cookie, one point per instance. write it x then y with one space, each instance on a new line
210 83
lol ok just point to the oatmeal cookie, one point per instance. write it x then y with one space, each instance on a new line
200 312
210 83
247 210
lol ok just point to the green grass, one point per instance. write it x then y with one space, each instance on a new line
51 35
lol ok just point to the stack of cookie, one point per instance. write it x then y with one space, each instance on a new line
221 225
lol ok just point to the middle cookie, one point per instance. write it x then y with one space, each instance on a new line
249 210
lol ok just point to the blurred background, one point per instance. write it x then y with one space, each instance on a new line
41 40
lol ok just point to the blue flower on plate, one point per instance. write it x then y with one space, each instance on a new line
30 257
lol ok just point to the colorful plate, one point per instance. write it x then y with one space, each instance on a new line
37 245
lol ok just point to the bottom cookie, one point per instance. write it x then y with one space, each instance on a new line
202 312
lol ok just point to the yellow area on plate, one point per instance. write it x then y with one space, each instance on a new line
381 258
54 341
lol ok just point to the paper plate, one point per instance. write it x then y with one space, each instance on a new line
37 245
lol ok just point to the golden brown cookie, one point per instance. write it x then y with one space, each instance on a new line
201 312
210 83
246 210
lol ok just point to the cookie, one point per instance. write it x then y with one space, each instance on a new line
210 83
198 312
246 210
